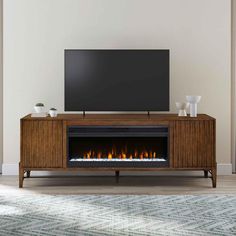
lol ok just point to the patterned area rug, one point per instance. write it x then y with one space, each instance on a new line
117 215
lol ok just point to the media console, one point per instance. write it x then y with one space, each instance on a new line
113 142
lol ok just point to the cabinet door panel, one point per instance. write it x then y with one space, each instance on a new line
193 144
41 144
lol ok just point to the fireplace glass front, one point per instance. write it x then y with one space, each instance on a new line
119 146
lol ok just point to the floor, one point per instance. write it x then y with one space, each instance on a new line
163 185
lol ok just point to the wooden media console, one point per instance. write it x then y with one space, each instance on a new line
157 142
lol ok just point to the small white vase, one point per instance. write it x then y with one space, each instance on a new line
182 106
52 113
193 100
38 109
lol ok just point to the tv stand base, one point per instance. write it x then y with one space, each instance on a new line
24 173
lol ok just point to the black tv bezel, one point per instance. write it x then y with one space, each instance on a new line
121 49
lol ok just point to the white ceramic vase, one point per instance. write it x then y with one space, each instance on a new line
53 113
38 109
182 106
193 100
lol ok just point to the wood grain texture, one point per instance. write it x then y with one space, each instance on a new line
41 144
193 144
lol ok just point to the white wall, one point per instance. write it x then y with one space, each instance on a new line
1 89
233 87
36 32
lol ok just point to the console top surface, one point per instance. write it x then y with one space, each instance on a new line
127 117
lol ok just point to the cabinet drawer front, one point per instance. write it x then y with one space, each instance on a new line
193 144
41 143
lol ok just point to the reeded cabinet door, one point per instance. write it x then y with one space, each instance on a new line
193 144
41 144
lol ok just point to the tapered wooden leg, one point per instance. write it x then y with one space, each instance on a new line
21 177
214 176
206 173
117 176
28 173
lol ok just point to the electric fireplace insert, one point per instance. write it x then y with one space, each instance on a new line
117 146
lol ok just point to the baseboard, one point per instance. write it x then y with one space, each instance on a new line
224 169
12 169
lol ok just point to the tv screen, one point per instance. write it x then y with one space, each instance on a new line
116 80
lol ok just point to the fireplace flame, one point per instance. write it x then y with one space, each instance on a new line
141 155
154 154
109 156
99 155
124 154
146 154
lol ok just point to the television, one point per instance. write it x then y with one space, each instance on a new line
116 80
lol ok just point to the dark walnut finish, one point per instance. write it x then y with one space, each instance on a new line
42 144
191 141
